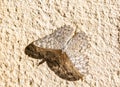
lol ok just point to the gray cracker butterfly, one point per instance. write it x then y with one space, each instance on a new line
63 51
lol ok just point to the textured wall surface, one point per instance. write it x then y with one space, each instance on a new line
23 21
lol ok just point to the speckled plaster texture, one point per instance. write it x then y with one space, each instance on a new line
23 21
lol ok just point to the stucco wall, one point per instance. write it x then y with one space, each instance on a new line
23 21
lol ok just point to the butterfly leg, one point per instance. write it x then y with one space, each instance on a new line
41 62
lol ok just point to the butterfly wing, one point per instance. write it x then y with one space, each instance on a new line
75 49
57 39
62 66
56 60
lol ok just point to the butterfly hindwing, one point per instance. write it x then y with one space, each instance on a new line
63 67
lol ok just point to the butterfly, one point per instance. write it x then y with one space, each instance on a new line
63 51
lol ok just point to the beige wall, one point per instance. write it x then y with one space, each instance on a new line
23 21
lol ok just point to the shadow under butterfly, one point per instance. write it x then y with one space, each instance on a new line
63 51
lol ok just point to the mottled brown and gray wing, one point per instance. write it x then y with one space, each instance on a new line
56 40
63 52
